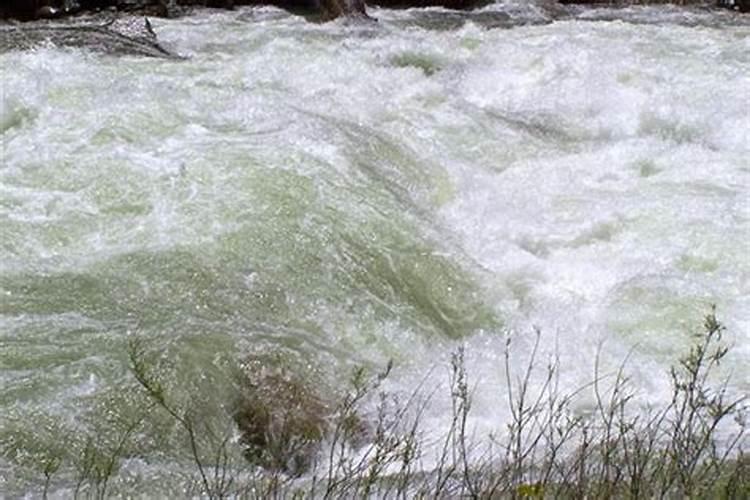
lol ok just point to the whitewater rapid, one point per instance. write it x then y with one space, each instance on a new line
353 194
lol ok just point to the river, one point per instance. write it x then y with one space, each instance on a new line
350 194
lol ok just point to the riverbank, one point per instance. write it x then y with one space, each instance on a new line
25 10
129 33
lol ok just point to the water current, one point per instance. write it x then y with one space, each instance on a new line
351 194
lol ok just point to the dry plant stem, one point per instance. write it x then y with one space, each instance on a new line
615 451
156 392
51 466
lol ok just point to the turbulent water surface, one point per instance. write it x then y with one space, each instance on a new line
349 194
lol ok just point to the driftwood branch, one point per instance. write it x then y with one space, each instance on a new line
118 36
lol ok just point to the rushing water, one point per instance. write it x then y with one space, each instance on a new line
353 194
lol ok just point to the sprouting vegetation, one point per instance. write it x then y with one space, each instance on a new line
371 444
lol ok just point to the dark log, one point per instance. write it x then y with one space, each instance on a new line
128 36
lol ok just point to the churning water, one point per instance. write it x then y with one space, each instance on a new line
353 194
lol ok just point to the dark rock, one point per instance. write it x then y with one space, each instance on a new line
20 9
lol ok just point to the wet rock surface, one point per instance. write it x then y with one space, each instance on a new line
286 408
280 413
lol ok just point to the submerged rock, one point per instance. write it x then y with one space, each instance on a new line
286 407
280 414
